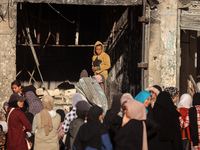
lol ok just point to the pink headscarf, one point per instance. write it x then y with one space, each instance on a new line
126 97
137 111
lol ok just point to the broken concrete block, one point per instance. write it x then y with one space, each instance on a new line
40 91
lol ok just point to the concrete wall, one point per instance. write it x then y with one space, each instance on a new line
163 54
7 50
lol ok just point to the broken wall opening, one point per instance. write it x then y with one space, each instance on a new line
190 55
189 58
125 53
61 52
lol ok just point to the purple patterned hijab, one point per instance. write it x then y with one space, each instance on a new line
35 104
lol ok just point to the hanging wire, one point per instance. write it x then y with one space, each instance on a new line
72 22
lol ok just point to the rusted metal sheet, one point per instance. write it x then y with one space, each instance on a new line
89 2
89 87
143 65
190 18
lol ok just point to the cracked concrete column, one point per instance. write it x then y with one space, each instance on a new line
8 29
163 45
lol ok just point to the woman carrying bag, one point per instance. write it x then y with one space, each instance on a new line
45 126
18 124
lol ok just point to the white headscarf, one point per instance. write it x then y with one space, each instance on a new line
185 101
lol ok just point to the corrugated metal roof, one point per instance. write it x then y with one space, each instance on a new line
89 2
190 18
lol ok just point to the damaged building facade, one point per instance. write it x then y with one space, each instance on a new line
173 43
64 32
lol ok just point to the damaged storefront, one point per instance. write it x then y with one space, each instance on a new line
63 35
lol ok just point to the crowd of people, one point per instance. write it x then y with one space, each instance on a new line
150 120
154 119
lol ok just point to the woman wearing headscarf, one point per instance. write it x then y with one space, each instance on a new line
111 118
45 126
70 116
35 105
166 115
124 99
114 119
183 106
92 135
193 119
174 93
82 109
132 135
145 98
18 124
155 91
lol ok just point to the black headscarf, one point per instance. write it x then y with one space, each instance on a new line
158 88
111 118
116 104
94 113
61 113
193 119
90 133
164 100
196 99
165 114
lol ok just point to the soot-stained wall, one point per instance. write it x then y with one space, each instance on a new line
124 75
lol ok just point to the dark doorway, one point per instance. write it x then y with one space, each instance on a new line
188 58
62 55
